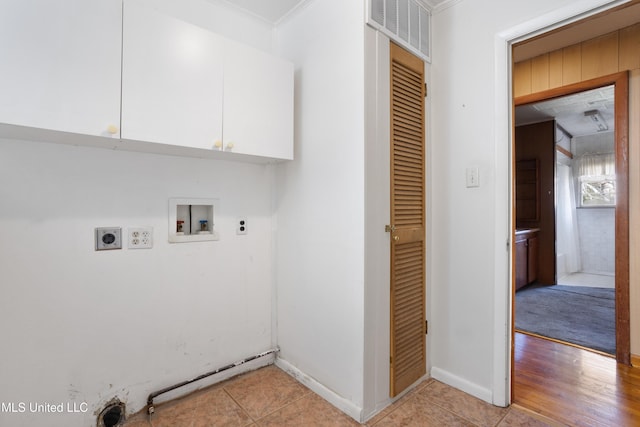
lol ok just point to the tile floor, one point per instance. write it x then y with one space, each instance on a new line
588 279
270 397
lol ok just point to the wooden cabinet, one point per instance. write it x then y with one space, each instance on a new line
526 248
60 65
527 190
521 262
532 257
171 80
535 152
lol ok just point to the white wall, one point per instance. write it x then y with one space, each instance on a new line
470 226
377 205
320 203
596 227
87 326
220 17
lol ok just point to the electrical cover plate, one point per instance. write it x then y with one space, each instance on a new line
241 225
108 238
140 237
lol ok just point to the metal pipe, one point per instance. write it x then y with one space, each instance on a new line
150 407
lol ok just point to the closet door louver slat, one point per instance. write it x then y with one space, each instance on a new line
408 308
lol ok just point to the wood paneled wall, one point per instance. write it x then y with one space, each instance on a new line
601 56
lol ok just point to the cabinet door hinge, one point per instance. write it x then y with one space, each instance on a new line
390 360
425 90
426 327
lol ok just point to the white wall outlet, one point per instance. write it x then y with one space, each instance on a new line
241 225
108 238
140 237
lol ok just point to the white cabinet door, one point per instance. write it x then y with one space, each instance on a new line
258 103
171 80
60 64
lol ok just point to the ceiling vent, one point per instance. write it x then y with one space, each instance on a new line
407 22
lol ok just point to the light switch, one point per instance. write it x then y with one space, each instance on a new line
473 177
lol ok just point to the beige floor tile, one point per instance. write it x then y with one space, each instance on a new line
310 411
270 397
137 421
264 391
386 411
177 413
466 406
418 411
216 408
517 417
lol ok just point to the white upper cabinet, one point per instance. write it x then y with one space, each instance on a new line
60 65
171 80
258 102
148 81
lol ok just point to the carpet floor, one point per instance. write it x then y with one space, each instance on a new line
576 314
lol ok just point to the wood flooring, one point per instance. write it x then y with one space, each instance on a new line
574 386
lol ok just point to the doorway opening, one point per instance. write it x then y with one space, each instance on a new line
620 83
565 219
552 65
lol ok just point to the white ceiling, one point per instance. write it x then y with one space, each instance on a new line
569 111
269 10
274 10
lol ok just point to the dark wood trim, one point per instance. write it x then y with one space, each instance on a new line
557 92
623 330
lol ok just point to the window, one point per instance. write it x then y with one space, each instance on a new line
597 180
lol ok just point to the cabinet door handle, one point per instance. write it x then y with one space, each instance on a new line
230 145
112 129
217 144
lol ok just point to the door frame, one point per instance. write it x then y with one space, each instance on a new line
621 101
502 378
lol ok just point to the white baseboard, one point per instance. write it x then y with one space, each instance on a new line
330 396
462 384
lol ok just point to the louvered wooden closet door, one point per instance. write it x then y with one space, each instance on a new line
408 328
